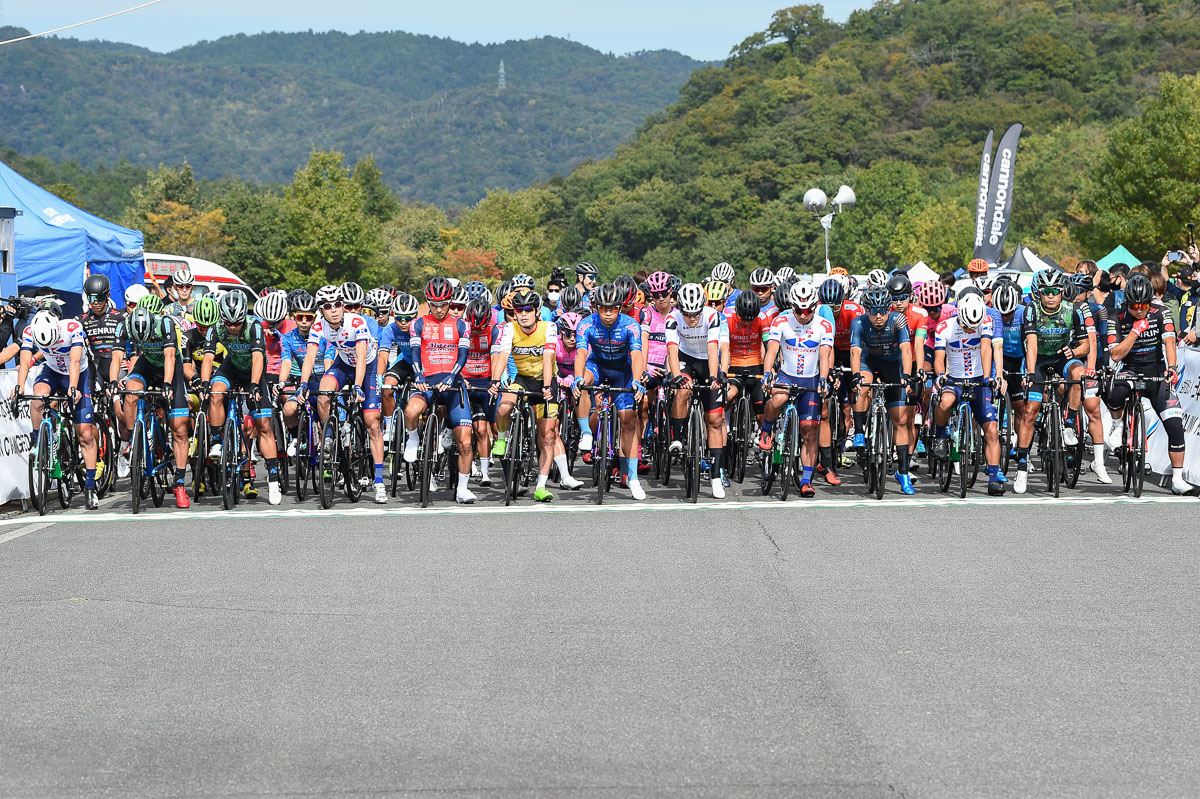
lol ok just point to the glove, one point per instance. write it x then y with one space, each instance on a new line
915 384
1090 374
548 395
567 382
205 386
638 388
940 382
920 376
682 381
73 393
1140 327
301 392
856 381
1067 352
768 379
359 394
256 393
168 393
1172 375
823 387
990 383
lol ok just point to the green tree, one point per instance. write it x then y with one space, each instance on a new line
378 199
65 191
257 228
165 184
182 230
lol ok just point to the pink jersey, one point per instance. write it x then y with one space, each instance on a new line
654 326
565 358
273 341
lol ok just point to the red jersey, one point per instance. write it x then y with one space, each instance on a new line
841 326
746 340
440 343
918 319
479 352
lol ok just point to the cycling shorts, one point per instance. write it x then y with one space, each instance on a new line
808 403
401 371
750 378
59 383
458 415
1014 370
234 379
343 373
1166 404
841 361
1058 365
151 376
697 370
617 378
886 372
981 402
542 409
483 405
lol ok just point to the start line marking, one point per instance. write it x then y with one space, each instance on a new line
646 507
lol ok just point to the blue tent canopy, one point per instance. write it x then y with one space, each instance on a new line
55 241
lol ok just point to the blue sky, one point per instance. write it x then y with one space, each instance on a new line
702 29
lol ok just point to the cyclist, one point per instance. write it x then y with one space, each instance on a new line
100 323
900 287
483 359
762 284
609 350
748 329
694 358
244 367
652 319
882 335
1006 300
154 342
63 345
725 273
181 309
1141 340
293 348
533 342
963 353
840 311
804 343
586 275
439 344
395 356
458 302
1056 338
351 361
272 311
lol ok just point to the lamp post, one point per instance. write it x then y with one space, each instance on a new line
815 202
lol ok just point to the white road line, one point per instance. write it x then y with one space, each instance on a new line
623 507
26 530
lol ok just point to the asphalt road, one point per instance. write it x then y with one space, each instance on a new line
837 648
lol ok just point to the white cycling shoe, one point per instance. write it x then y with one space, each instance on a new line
1100 472
464 497
1070 437
1021 482
215 452
410 449
718 489
636 490
381 494
676 447
1180 486
585 442
274 493
570 483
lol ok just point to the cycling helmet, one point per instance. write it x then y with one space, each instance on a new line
723 272
328 294
504 290
704 281
438 289
352 293
44 329
1138 289
266 291
1048 279
141 323
151 302
985 283
293 294
272 308
391 291
1083 282
475 288
899 286
206 313
522 281
95 288
525 298
183 276
134 294
932 294
570 299
717 290
876 299
783 292
841 271
379 299
405 305
832 292
972 310
51 305
454 282
691 298
626 289
877 277
233 307
659 283
607 296
803 296
302 302
977 266
479 313
1006 297
762 277
459 296
568 321
784 274
676 284
967 291
747 306
584 268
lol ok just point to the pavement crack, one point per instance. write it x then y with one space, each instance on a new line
181 606
762 528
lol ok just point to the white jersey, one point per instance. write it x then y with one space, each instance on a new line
344 338
800 344
58 357
693 341
964 349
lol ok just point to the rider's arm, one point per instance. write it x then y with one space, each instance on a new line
772 352
549 359
310 360
987 349
414 349
169 365
1168 340
1118 350
360 361
855 359
939 362
825 361
464 349
76 359
24 363
258 354
1031 353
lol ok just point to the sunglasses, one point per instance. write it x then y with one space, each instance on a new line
130 305
329 306
1139 306
438 304
405 319
878 311
304 317
658 295
1050 292
95 298
454 306
903 298
368 312
525 309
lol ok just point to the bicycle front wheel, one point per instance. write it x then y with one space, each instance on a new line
358 465
327 460
695 454
161 471
302 464
791 449
1054 448
1137 460
600 457
137 455
229 462
879 451
429 437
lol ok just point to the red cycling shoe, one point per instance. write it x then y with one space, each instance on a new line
181 498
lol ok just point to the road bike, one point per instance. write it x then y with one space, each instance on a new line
55 454
966 442
606 447
150 471
784 457
1131 456
878 455
343 448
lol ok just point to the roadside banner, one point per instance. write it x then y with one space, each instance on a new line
14 444
1000 197
981 205
1188 391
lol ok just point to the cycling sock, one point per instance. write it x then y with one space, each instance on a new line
1023 458
715 456
89 476
379 474
485 464
542 480
218 433
272 470
825 456
768 425
1072 415
860 422
561 462
993 473
179 476
806 474
462 481
584 428
677 428
631 468
904 458
412 437
943 431
1098 453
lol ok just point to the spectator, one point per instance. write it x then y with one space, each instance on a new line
1087 267
1165 298
948 278
1115 303
1186 281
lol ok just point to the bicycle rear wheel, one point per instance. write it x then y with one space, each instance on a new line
1004 413
229 462
281 442
358 465
600 456
1073 459
428 457
198 460
966 456
162 472
396 456
1054 448
787 464
878 457
512 458
1137 460
662 440
137 455
327 465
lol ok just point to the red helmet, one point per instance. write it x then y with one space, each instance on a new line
438 289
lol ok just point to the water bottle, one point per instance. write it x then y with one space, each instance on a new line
954 449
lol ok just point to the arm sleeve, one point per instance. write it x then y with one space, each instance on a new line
256 338
414 345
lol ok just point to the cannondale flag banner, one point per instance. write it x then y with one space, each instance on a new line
981 203
999 201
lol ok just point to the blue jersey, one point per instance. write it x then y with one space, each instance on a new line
884 344
611 347
394 343
731 300
1014 343
293 347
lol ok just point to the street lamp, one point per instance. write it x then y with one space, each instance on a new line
815 202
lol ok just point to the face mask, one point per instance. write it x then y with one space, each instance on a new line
552 296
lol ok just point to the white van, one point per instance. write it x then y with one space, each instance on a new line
209 277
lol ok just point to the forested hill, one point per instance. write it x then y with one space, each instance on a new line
897 102
253 107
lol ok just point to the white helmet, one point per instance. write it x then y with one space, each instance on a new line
44 329
328 294
134 293
762 277
183 276
272 308
985 282
877 277
803 296
783 275
972 310
691 298
723 272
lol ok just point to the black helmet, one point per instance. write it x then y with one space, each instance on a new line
570 299
503 290
95 288
747 306
1083 282
1138 289
479 313
527 299
783 291
899 286
302 302
626 289
607 296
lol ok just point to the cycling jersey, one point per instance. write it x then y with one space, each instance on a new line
101 331
842 319
963 348
1014 340
694 340
192 346
746 340
1062 328
344 338
884 344
294 348
482 344
654 328
800 344
394 344
273 343
439 348
58 357
181 312
610 346
165 334
527 348
1146 357
565 358
239 347
914 317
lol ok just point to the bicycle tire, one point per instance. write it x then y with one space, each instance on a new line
104 455
767 471
1073 458
279 431
664 440
357 465
745 437
428 456
512 454
39 473
695 454
600 456
787 461
303 441
198 461
878 456
1004 412
160 470
529 464
229 462
65 468
1137 464
964 433
137 454
396 455
327 464
1054 447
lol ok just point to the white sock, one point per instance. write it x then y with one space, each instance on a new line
1177 473
484 465
462 481
542 478
563 469
1098 453
412 436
